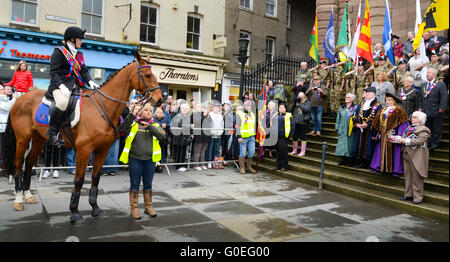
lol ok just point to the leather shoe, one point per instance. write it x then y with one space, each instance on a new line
406 198
417 203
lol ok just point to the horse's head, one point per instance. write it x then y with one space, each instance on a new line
146 83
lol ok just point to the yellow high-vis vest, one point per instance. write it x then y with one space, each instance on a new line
287 123
247 127
156 155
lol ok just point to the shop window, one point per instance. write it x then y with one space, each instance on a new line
24 11
193 33
271 7
149 24
92 16
270 47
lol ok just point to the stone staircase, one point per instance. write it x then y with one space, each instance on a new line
364 184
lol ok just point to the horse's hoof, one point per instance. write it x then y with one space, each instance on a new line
76 218
96 212
18 206
31 200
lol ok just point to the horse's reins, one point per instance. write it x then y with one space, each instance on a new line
104 113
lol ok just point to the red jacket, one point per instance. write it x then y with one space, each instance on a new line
22 81
398 50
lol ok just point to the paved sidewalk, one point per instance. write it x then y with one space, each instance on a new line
209 206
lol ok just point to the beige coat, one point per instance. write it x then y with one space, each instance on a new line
417 150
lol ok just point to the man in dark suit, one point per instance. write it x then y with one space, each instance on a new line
434 98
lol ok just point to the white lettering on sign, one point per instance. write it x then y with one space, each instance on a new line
60 19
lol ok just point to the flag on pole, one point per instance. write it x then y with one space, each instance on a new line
343 39
364 46
261 132
352 53
328 43
421 46
436 18
314 40
387 35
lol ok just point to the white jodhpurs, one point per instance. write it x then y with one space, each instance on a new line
60 99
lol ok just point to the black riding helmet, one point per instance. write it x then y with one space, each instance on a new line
74 32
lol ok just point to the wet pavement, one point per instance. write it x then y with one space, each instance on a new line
209 206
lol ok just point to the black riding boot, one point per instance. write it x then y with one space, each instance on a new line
55 125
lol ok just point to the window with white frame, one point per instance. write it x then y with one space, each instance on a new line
270 48
248 36
246 4
271 7
92 16
149 24
24 11
193 38
288 47
289 15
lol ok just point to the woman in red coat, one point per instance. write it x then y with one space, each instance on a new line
22 79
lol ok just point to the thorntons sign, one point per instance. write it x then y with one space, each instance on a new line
184 76
171 74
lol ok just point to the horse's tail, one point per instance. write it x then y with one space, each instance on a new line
8 149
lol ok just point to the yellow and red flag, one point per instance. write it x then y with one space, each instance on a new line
364 46
436 18
314 40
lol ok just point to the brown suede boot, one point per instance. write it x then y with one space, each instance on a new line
134 198
249 165
242 165
148 203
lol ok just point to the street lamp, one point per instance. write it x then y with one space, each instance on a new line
242 57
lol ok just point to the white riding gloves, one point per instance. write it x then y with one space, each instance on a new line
93 85
64 90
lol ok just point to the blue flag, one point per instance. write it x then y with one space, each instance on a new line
387 35
328 43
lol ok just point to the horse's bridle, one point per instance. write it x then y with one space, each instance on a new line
147 90
103 112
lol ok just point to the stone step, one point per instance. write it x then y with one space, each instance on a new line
426 209
432 185
437 174
366 181
435 163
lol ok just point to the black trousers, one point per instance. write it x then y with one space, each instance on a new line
282 152
180 151
435 126
55 155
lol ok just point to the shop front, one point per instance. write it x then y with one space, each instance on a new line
102 58
187 77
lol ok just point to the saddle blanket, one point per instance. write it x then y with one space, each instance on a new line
42 115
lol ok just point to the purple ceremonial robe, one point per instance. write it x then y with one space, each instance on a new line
397 165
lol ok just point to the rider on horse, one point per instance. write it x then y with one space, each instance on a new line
67 69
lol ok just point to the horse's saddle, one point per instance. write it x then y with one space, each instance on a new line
72 114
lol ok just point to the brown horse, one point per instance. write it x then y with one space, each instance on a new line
94 133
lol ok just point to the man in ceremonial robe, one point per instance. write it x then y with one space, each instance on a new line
362 120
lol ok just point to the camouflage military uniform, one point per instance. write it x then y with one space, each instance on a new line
438 67
363 82
401 75
335 93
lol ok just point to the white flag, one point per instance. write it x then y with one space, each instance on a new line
352 53
423 53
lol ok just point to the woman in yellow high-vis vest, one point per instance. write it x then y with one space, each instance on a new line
286 129
141 152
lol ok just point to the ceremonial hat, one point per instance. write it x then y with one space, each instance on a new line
397 99
395 36
401 61
371 89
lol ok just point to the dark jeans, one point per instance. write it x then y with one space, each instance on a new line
214 148
141 170
282 152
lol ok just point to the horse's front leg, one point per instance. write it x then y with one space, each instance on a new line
82 160
99 159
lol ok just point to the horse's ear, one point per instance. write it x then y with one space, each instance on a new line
138 57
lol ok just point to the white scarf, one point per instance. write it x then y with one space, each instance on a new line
72 48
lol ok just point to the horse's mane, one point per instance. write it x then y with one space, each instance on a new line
113 74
